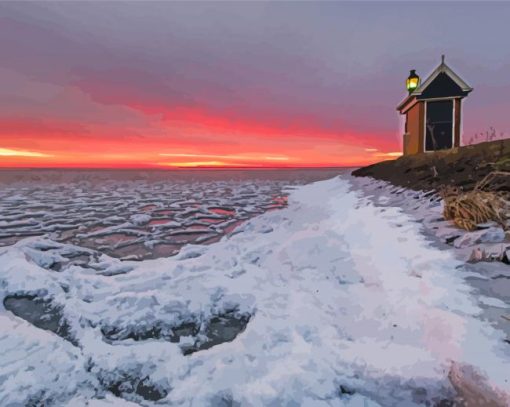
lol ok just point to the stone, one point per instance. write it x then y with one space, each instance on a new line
489 235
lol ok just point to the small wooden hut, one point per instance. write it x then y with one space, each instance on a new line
433 110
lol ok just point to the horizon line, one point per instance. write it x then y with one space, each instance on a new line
176 168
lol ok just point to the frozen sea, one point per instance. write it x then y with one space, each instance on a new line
331 300
135 215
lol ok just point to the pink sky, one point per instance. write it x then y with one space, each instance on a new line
110 84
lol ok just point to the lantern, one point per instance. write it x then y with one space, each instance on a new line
413 81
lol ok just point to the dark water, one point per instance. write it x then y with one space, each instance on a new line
133 214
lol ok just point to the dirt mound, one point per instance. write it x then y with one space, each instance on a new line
462 167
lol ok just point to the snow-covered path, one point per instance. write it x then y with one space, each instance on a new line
341 302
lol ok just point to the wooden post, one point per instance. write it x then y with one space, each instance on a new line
456 140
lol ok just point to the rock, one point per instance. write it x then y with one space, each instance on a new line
218 329
477 255
474 388
346 390
486 225
40 312
128 386
506 256
489 235
451 239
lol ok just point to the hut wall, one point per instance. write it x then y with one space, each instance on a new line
413 140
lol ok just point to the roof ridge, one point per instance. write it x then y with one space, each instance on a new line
442 68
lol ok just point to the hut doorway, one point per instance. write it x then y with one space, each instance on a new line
439 125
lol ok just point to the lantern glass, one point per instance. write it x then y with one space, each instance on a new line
413 81
412 84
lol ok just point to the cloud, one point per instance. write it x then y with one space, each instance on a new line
252 157
201 164
390 154
7 152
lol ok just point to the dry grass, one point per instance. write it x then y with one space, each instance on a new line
468 209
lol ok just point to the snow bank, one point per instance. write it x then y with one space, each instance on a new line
331 301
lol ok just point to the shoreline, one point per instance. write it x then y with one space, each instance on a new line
426 208
488 279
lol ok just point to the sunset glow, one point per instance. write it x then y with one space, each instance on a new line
208 141
220 160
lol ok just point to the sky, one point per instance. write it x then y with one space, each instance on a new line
281 84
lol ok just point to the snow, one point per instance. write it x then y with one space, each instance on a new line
107 401
333 301
140 219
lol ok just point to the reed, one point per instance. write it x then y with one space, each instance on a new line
481 205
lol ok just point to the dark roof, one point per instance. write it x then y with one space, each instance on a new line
442 82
